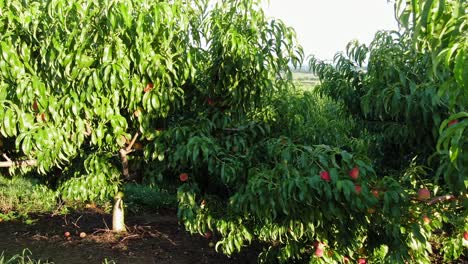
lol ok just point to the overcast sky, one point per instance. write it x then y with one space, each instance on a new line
324 27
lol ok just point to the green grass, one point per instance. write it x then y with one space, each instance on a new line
24 258
21 196
140 197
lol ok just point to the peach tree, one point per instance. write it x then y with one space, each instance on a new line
439 28
412 96
262 163
81 82
96 93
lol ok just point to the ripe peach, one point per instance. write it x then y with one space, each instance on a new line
426 219
354 173
82 234
424 194
376 193
453 122
318 252
324 175
183 177
137 112
148 87
67 234
319 249
358 188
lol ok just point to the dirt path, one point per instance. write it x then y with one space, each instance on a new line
152 239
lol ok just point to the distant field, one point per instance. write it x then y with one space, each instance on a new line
307 80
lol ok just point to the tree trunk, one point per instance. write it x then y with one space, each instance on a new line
118 219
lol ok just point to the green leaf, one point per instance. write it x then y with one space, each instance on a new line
8 129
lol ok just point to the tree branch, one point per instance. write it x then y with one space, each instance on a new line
442 198
19 163
233 129
88 129
129 147
123 156
6 157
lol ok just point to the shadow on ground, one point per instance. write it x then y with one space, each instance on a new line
156 238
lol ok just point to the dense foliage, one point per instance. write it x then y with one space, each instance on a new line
78 81
409 89
94 93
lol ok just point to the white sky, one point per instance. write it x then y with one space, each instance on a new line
324 27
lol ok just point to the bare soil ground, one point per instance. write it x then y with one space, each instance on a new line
155 238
